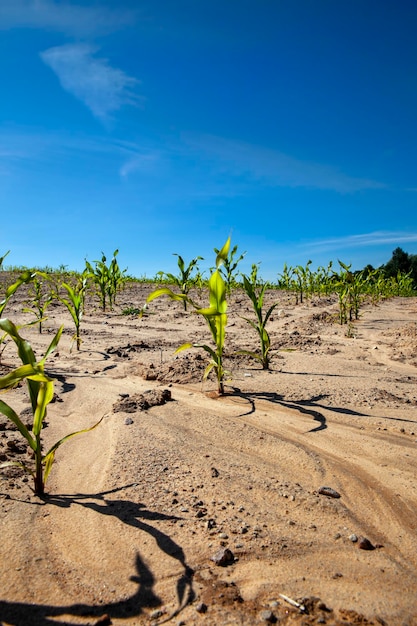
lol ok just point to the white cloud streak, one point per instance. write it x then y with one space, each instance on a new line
377 238
102 88
20 149
276 168
64 17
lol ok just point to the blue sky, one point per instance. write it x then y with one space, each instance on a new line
161 126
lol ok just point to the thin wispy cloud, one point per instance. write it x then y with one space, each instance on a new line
20 149
102 88
64 17
138 163
276 168
377 238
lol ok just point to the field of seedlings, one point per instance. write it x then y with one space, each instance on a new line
207 450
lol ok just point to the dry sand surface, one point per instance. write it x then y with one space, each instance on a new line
137 509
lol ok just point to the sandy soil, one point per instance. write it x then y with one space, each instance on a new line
138 508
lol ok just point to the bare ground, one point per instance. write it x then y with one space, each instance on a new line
138 508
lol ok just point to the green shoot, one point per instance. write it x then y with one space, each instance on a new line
108 279
184 280
257 299
40 299
41 391
2 259
74 301
215 316
25 277
229 269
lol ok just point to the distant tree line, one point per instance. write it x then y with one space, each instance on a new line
400 262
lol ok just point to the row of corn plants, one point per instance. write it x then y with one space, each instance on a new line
352 289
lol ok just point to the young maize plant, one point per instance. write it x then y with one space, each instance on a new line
302 281
215 316
184 280
41 391
25 277
350 288
75 303
108 279
40 300
229 269
257 299
2 259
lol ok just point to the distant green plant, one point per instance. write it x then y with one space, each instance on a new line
131 310
322 280
41 391
250 285
350 288
39 298
302 281
24 278
74 300
109 279
229 268
285 280
215 316
2 259
184 280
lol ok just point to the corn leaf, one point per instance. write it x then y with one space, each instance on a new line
211 352
208 369
24 349
45 395
270 310
10 380
12 416
184 346
17 464
217 292
252 354
53 344
166 291
222 254
48 458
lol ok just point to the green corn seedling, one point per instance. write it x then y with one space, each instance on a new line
286 280
25 277
350 289
2 259
229 268
184 280
215 316
41 391
109 279
74 300
302 280
257 299
40 300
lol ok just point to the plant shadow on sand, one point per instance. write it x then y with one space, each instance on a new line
133 514
307 407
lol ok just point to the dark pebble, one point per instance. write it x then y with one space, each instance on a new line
201 607
365 544
328 491
223 557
